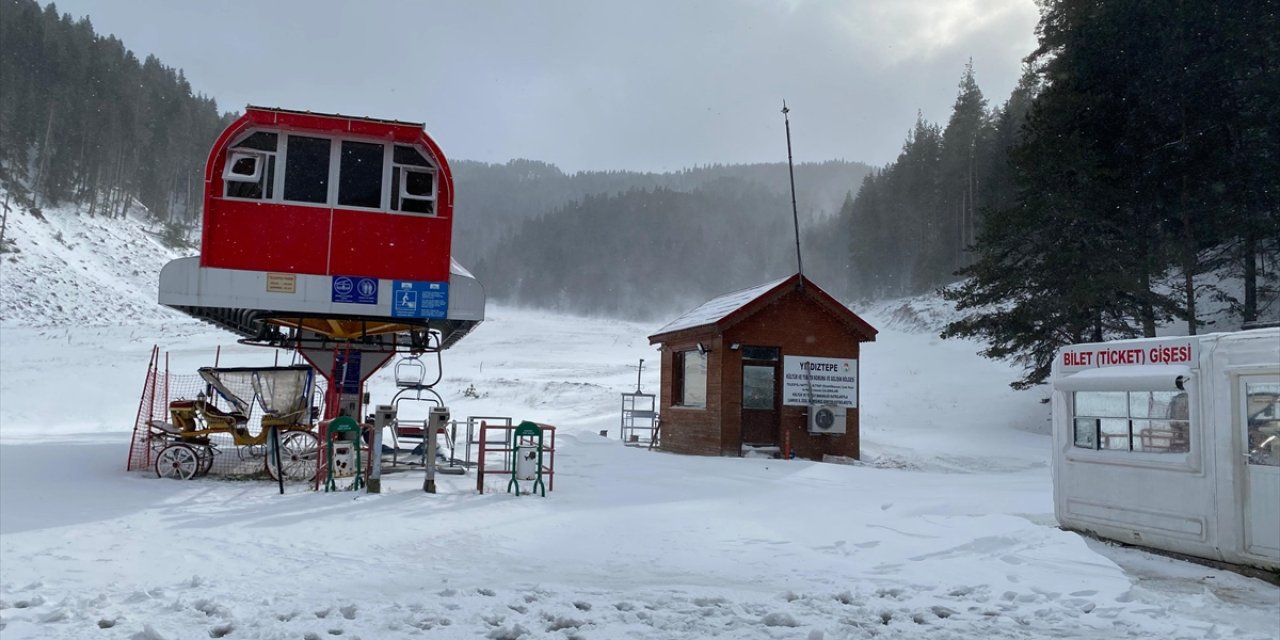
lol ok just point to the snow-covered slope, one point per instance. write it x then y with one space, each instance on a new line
947 533
71 269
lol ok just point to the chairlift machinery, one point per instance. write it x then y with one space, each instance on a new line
329 235
411 376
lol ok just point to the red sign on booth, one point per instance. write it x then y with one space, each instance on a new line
1114 354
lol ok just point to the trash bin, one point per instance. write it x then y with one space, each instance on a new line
527 461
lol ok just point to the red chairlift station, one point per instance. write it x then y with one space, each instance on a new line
330 235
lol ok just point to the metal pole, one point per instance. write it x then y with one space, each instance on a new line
4 218
480 458
374 485
166 380
429 457
273 438
795 216
638 371
437 421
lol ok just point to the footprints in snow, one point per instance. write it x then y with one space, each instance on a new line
515 614
27 612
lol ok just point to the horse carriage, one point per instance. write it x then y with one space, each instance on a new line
278 398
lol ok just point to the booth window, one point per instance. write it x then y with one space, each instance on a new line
360 175
689 382
413 181
1144 421
250 171
306 169
1262 408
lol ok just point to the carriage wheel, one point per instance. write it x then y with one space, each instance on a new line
206 454
298 452
178 461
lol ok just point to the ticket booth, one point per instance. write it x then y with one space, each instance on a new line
771 369
1172 443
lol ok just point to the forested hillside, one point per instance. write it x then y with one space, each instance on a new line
82 120
494 199
914 222
644 253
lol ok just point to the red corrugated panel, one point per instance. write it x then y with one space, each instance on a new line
265 237
393 246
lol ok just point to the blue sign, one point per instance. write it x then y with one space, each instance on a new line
413 299
355 290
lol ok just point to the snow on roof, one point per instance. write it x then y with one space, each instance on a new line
717 309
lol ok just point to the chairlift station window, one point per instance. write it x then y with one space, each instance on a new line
329 195
331 171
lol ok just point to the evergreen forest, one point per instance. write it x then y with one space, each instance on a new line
1144 176
1131 175
83 121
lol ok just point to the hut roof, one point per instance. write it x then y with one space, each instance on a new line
720 313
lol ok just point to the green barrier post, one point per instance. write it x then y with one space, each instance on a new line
341 426
526 459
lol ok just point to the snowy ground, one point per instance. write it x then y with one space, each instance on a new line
946 531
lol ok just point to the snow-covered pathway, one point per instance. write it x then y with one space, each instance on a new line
949 532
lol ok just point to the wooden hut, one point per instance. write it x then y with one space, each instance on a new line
772 368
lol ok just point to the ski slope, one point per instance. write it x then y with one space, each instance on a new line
946 529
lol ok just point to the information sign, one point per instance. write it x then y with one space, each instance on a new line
415 299
355 290
810 380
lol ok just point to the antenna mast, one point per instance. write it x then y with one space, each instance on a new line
795 216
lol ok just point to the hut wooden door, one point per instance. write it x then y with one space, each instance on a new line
760 396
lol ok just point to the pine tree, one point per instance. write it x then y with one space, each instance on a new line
82 120
1122 167
964 139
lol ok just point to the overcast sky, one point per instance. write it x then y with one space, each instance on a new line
596 84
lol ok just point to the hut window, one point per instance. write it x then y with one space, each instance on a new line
769 354
413 181
360 175
690 379
757 387
306 169
1144 421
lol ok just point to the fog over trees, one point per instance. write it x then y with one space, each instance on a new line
644 244
1139 152
494 198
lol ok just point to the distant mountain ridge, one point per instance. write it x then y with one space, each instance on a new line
494 199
